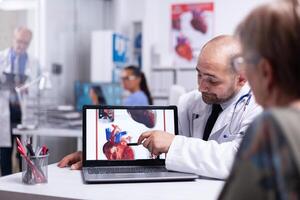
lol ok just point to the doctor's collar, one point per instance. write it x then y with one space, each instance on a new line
244 90
13 53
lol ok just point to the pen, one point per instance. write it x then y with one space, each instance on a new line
39 152
44 150
20 146
30 150
38 175
132 144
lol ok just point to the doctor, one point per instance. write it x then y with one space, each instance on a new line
221 87
212 120
16 67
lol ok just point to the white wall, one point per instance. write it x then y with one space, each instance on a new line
16 13
229 13
65 31
9 20
157 23
125 13
66 27
155 16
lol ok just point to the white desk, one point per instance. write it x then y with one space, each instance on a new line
55 132
66 183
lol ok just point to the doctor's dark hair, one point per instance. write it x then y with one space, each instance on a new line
271 32
143 84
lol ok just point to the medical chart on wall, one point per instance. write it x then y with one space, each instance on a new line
191 27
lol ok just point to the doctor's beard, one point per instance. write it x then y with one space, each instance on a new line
211 98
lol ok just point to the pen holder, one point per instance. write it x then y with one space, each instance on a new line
35 169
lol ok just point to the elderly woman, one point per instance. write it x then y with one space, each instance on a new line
268 162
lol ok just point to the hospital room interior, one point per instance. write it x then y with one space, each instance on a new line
193 83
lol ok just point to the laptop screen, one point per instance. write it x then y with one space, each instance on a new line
112 132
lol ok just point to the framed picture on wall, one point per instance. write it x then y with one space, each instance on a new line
192 25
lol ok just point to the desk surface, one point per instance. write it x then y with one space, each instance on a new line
66 183
50 132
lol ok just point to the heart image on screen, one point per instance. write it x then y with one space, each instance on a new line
146 117
116 147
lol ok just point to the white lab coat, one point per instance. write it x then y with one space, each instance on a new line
212 158
31 70
5 137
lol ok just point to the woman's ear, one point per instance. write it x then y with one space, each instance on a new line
266 72
242 78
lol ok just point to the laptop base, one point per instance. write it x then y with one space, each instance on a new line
136 177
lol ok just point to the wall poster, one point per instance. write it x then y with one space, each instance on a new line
192 26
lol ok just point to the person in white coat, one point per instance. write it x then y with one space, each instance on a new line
209 154
16 67
219 84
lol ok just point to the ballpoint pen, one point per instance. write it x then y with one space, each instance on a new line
132 144
30 150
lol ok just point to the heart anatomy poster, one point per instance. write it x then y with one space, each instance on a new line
192 27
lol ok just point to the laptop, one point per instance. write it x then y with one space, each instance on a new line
110 149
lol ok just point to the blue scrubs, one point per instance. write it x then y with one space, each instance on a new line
138 98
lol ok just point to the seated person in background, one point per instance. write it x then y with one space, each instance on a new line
134 81
268 162
219 85
97 95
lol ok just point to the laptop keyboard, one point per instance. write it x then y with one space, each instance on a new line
114 170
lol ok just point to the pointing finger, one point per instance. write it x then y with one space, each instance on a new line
144 136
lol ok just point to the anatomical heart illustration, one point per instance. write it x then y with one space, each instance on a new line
198 21
176 24
191 28
183 48
116 147
146 117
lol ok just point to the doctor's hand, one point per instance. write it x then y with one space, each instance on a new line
156 142
73 159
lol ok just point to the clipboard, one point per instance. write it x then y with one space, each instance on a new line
11 80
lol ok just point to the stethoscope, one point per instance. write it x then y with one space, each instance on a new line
244 98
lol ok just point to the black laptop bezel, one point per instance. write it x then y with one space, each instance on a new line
146 162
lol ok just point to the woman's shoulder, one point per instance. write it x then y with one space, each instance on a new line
139 93
138 98
277 115
269 150
273 123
